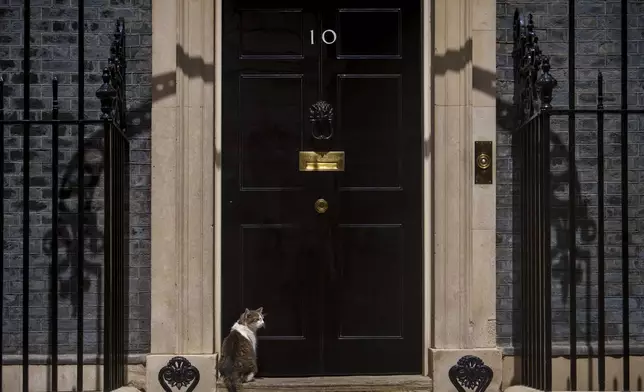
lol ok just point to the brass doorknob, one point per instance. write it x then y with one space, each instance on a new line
321 206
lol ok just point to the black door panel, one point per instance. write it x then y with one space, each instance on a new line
343 288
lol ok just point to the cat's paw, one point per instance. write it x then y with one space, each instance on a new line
250 377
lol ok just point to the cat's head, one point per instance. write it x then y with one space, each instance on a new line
253 319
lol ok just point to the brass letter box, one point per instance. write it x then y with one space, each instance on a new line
321 161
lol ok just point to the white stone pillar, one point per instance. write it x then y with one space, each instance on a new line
183 155
464 274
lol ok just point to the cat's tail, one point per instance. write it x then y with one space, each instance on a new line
232 384
227 371
226 367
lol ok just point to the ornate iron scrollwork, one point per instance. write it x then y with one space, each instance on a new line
112 92
470 372
321 113
179 373
533 82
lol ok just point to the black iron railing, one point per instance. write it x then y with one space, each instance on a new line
533 97
535 140
110 155
116 157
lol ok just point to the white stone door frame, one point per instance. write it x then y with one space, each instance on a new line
459 222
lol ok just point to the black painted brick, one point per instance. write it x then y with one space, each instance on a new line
54 53
598 48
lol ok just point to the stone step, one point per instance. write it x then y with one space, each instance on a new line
338 384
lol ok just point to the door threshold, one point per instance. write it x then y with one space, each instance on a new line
338 384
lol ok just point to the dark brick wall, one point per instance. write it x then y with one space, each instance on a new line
54 53
597 48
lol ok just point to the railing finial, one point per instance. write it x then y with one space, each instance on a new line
546 83
106 94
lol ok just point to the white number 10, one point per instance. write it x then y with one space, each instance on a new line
334 37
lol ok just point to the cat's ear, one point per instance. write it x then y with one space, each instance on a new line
260 309
246 311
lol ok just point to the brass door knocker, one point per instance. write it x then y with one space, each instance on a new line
321 116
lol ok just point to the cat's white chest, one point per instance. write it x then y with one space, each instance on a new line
246 333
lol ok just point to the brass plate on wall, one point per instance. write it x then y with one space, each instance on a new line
483 167
321 161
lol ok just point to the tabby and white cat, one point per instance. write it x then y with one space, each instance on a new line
238 362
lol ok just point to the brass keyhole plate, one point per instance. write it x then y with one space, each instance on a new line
321 206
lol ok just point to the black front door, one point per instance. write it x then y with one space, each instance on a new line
343 286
